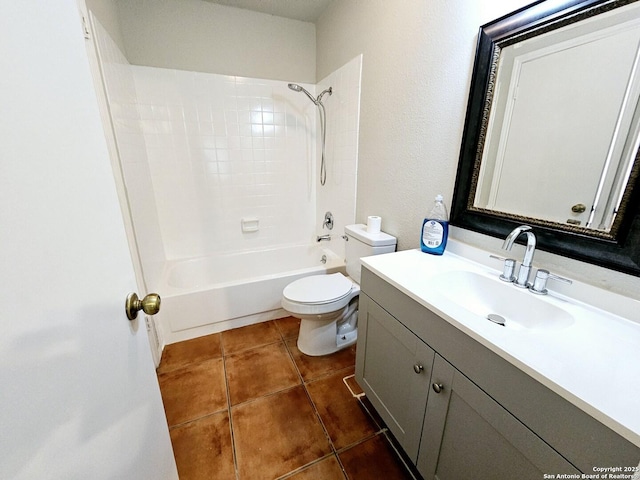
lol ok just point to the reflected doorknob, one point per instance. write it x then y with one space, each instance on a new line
150 305
579 208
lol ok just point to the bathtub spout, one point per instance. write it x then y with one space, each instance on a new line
321 238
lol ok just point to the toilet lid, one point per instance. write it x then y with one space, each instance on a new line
318 288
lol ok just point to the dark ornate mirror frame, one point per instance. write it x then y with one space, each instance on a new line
620 250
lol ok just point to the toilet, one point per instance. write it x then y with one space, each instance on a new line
327 305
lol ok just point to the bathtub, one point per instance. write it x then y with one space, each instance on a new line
211 294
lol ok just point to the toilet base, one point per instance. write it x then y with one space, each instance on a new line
316 346
323 337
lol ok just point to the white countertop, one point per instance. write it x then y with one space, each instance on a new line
594 363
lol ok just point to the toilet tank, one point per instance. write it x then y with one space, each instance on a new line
361 243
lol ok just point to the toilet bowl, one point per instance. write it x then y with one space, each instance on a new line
327 305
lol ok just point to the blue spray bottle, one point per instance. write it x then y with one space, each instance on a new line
435 229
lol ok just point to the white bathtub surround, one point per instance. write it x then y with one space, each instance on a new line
131 153
223 148
338 195
226 167
215 293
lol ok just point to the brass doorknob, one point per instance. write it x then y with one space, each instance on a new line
579 208
150 305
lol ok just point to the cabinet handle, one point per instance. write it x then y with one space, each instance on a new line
418 368
437 387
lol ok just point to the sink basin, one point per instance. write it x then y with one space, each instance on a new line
484 296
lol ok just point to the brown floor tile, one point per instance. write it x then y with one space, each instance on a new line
184 353
193 391
343 416
203 448
277 434
327 469
260 371
315 367
288 326
249 337
374 458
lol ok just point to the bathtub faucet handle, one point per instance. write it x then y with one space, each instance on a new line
328 221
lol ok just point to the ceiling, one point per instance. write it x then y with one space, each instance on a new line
303 10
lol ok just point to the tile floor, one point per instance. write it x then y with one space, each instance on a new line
247 404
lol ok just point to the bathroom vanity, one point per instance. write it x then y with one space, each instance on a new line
468 398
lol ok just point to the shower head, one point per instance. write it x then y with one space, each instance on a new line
297 88
328 90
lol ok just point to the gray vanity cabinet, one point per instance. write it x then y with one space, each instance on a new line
467 435
458 409
395 373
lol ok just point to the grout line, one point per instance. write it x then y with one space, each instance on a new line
305 467
294 362
195 419
361 440
253 347
313 405
233 438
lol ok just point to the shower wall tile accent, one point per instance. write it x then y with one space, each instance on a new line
338 195
223 148
131 149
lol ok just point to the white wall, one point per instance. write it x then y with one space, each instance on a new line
417 63
200 36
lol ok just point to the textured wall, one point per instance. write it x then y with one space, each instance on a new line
417 63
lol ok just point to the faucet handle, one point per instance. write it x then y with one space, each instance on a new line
539 286
508 268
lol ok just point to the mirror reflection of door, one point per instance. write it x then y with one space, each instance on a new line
568 108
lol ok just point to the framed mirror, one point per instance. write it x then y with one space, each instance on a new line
552 131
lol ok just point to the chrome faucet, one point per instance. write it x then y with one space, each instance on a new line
522 280
320 238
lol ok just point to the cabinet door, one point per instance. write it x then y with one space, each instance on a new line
467 435
394 369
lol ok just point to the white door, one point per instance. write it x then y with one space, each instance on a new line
78 393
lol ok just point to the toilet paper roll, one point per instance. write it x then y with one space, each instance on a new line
373 224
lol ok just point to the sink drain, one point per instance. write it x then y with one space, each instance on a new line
495 318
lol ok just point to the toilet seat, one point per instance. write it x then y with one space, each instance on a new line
319 294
